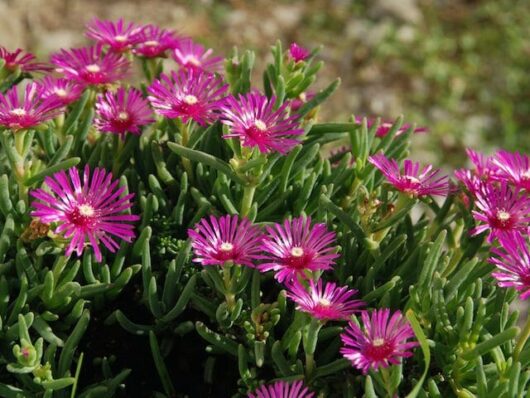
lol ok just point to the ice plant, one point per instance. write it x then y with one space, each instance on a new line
19 59
217 241
63 90
155 42
298 53
385 126
91 65
188 94
383 340
253 119
411 179
282 389
122 111
19 112
190 55
501 209
327 302
484 172
292 249
513 167
513 263
119 36
86 211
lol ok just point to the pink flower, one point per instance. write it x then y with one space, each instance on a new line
484 171
32 109
329 303
154 42
282 389
225 239
297 247
120 36
252 118
382 341
298 53
23 60
502 210
513 167
411 180
87 212
123 111
188 94
63 90
90 65
190 55
385 126
513 264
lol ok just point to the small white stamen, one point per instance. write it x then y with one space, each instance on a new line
191 59
151 43
526 175
324 302
123 116
503 215
93 68
18 112
120 38
60 92
260 125
297 252
378 342
190 99
226 246
86 210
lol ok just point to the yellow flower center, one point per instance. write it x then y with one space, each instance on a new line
503 215
297 252
86 210
190 99
123 116
93 68
260 125
120 38
18 112
378 342
151 43
60 92
226 246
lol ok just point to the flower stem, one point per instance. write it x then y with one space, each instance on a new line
521 341
310 345
246 202
185 136
386 379
227 279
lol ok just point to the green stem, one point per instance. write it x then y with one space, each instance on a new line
248 198
521 341
310 345
227 279
386 379
185 136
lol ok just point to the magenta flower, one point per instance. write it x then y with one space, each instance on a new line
502 210
225 239
188 94
87 212
385 126
63 90
484 171
382 341
297 247
19 113
411 180
513 167
513 264
298 53
22 60
282 389
120 36
90 65
252 118
123 111
154 42
329 303
190 55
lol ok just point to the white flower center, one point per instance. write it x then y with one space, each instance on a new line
412 179
260 125
324 302
151 43
123 116
190 99
378 342
226 246
93 68
526 175
86 210
18 112
297 252
60 92
192 59
120 38
503 215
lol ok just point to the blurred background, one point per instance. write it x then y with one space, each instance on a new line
459 67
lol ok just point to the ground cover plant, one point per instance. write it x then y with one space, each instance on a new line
171 228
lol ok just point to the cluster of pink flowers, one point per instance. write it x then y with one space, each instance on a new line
298 252
499 188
